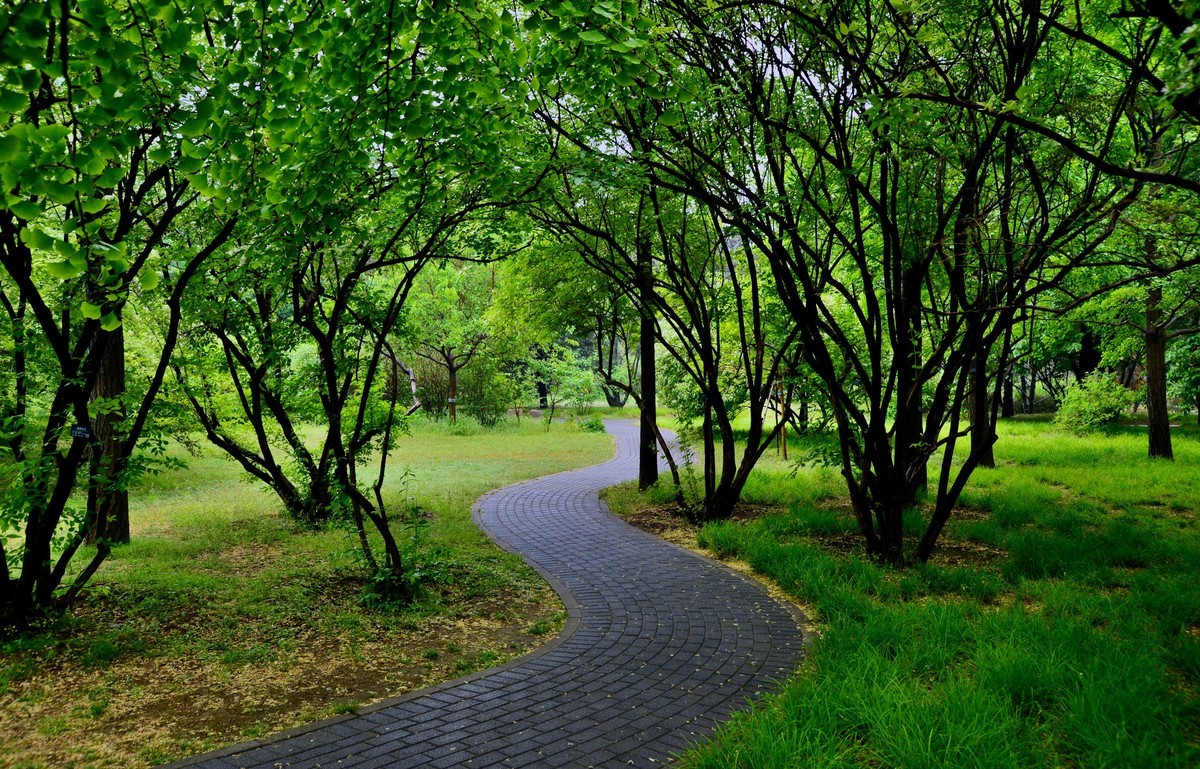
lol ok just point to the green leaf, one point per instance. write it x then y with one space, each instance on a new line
110 322
91 311
670 117
194 127
190 165
111 177
94 205
10 148
27 210
593 36
159 154
63 270
418 128
13 102
35 238
58 193
148 280
54 132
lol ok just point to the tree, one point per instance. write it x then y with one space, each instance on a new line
549 292
1136 323
101 140
396 148
876 157
566 378
447 318
706 293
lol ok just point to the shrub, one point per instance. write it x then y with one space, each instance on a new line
1093 404
592 425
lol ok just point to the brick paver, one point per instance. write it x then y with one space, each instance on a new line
660 645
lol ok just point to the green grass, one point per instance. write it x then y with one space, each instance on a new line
198 530
1073 641
217 578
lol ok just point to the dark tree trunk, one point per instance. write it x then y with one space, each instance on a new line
1156 378
1007 405
910 455
983 433
647 450
710 451
802 417
1088 359
883 505
109 502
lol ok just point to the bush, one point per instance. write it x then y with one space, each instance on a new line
592 425
1093 404
488 396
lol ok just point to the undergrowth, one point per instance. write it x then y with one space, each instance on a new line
1077 643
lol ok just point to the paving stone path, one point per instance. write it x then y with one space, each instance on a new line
660 646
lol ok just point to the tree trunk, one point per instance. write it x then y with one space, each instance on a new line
889 505
1007 405
452 398
647 443
1156 378
983 434
710 458
1088 359
911 458
647 450
106 498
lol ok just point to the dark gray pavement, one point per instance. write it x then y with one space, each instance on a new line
660 645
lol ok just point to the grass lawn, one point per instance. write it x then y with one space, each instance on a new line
222 622
1058 626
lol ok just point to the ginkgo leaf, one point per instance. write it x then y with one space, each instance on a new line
63 270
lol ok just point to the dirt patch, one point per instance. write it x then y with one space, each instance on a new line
665 522
142 710
949 551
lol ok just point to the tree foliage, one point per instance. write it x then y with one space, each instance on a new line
887 201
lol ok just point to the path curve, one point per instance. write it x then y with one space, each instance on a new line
660 645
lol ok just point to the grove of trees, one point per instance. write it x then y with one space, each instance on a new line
284 227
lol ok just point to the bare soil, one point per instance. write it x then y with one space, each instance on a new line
142 710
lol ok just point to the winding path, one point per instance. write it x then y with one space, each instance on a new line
660 645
